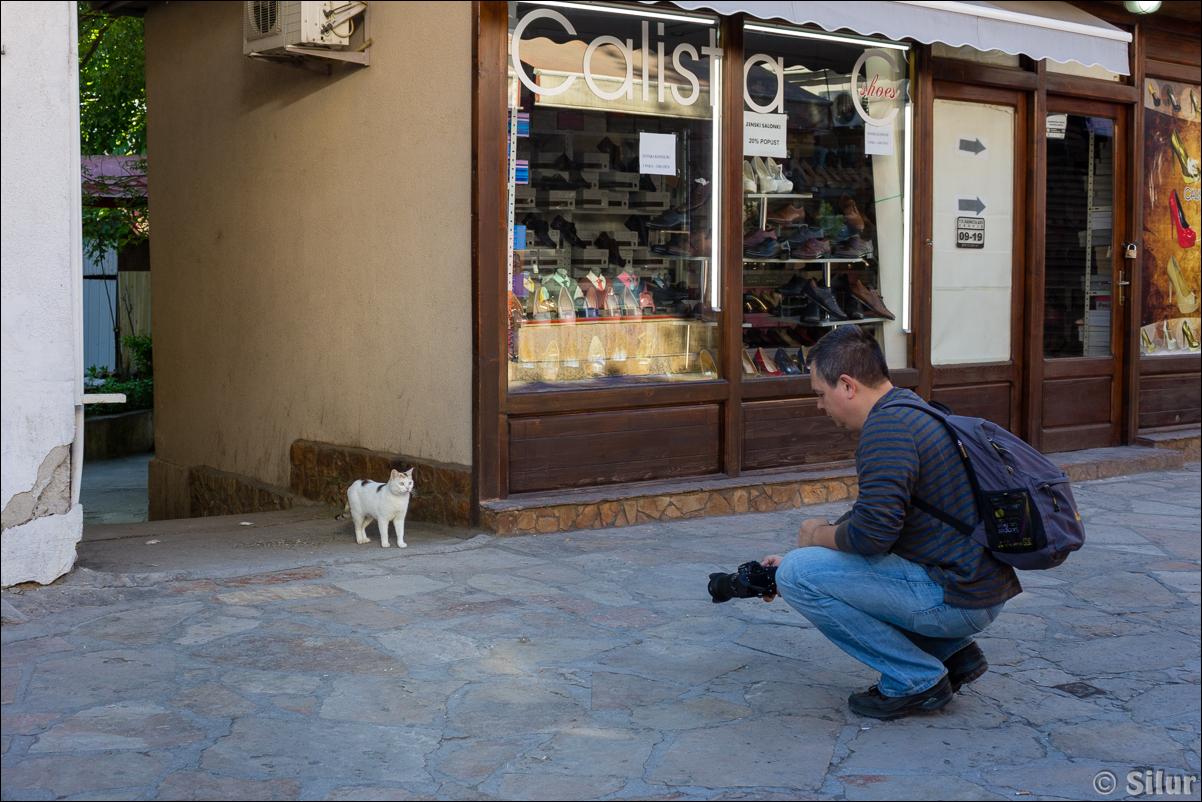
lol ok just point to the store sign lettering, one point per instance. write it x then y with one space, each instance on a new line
874 89
626 48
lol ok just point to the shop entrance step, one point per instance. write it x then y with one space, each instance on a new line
762 491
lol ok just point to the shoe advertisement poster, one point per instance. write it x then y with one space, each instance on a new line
1172 203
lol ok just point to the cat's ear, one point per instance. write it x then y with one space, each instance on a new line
395 473
408 473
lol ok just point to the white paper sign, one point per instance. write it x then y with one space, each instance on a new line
764 134
657 154
878 140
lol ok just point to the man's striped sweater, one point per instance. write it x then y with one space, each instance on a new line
906 452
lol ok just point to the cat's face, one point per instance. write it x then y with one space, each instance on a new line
401 482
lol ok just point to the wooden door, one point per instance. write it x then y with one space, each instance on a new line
1078 337
977 246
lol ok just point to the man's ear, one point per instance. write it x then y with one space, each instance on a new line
848 386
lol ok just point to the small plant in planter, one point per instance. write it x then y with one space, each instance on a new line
138 389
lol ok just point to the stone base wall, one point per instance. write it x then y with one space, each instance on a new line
323 472
1187 441
698 500
108 436
212 492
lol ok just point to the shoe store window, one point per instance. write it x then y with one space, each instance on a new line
824 208
612 131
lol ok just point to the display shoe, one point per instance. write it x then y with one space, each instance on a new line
854 248
765 363
854 309
1188 333
787 364
789 215
1186 236
851 214
813 249
638 224
630 305
647 302
811 176
871 299
754 304
1189 167
756 237
567 232
749 185
825 299
706 362
1169 339
1148 342
768 249
595 367
620 347
678 245
646 182
803 360
565 309
606 242
1171 97
783 185
749 370
699 195
607 145
1187 299
542 231
550 365
1155 94
763 179
793 287
668 220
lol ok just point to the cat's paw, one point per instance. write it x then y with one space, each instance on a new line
360 540
403 545
384 543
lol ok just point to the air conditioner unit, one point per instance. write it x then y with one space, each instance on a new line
300 28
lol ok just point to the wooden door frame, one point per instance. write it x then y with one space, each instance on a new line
1011 369
1120 392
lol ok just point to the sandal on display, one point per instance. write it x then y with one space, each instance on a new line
1187 299
708 368
1189 167
1186 236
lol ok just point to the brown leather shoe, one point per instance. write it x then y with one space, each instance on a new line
871 299
851 214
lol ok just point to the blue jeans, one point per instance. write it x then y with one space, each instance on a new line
883 610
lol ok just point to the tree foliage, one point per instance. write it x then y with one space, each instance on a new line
112 84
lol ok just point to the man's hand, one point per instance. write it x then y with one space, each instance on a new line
771 561
816 532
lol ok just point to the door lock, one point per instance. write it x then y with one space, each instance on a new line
1120 284
1130 250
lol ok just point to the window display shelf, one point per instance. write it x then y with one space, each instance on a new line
832 261
780 196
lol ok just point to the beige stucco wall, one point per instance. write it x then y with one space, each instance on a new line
311 242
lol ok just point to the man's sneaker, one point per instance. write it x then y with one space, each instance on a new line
874 704
965 665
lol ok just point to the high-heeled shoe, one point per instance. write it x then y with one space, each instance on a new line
763 179
1187 299
550 366
1186 236
706 363
1171 97
749 369
1188 333
777 172
1189 167
786 363
1169 340
765 363
749 185
596 359
1148 343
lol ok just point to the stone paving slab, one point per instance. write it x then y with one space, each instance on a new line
583 665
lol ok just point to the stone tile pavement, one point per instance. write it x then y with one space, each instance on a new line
587 665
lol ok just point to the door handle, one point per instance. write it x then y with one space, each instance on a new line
1120 284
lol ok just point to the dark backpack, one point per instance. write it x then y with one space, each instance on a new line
1029 518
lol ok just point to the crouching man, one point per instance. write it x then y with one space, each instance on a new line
892 586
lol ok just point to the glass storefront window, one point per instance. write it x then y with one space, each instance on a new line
824 179
1078 250
612 130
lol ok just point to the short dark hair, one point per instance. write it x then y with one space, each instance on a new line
851 351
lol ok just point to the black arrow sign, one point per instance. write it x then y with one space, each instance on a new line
973 205
974 146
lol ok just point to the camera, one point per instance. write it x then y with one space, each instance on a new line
752 580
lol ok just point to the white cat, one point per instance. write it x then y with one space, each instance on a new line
383 503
